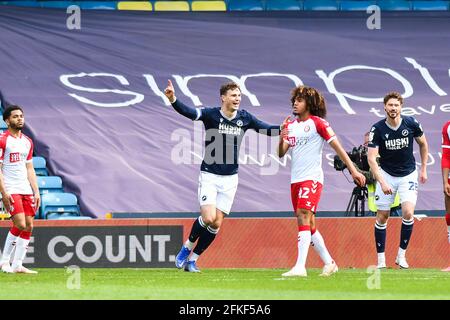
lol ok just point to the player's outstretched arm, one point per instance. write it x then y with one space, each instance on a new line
423 147
181 108
264 128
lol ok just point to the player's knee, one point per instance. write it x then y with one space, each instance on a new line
216 224
303 216
21 225
382 218
408 215
208 220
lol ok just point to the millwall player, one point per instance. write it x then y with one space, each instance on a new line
218 181
392 138
445 164
306 136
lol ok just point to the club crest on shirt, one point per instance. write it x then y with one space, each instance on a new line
307 128
405 132
239 123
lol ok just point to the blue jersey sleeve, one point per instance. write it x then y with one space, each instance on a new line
262 127
188 112
374 138
417 128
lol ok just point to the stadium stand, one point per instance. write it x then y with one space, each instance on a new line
135 5
430 5
208 6
3 126
283 5
248 5
99 5
321 5
355 5
172 6
55 4
40 166
48 184
243 5
59 205
394 5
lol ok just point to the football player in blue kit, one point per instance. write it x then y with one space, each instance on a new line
392 138
225 127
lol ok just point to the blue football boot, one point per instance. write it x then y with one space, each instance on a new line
182 256
191 267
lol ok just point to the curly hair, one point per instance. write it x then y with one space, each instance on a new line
315 102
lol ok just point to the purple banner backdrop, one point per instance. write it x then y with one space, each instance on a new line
95 108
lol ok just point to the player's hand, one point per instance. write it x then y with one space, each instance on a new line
423 177
359 179
284 127
37 201
447 189
7 201
170 91
386 188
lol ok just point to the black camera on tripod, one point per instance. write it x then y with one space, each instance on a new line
358 155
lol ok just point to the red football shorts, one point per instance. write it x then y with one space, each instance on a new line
23 203
306 195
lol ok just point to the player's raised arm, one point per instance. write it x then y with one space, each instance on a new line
283 144
181 108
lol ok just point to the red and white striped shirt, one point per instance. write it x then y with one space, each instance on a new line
14 154
306 138
445 163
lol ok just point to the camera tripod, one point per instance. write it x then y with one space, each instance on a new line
357 202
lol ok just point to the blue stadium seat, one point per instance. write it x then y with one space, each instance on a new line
49 184
356 5
98 5
21 3
430 5
272 5
40 166
3 126
59 205
394 5
321 5
57 4
245 5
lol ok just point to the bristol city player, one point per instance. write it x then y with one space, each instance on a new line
19 188
306 136
445 164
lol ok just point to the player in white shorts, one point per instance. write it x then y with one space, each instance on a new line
392 138
224 129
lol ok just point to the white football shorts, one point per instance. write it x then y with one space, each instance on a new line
406 187
217 190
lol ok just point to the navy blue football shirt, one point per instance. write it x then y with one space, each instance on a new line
224 136
395 145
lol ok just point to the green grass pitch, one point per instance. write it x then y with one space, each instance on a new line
222 284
